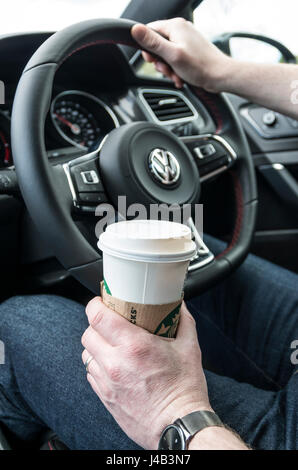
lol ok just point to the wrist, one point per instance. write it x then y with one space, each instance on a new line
210 438
216 438
219 78
178 409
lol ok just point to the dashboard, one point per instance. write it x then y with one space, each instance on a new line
96 90
77 120
92 97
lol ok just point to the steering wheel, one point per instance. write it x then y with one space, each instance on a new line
51 192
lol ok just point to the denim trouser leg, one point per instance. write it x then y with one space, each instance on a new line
245 326
43 381
254 312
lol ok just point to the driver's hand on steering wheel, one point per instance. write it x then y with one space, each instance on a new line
145 381
186 54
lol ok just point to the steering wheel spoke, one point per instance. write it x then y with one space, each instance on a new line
204 256
212 153
85 182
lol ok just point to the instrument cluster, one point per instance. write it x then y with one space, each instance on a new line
76 119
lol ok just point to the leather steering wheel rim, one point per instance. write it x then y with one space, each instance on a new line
47 203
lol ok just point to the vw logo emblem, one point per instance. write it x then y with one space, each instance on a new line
164 166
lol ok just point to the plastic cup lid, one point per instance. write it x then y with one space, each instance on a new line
148 241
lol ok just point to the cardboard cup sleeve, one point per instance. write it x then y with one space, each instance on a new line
161 320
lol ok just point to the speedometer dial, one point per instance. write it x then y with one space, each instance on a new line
82 119
76 123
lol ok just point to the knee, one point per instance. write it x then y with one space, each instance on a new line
15 312
13 307
27 318
29 313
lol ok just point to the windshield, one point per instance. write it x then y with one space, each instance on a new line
277 19
52 15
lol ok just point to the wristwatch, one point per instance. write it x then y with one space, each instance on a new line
177 436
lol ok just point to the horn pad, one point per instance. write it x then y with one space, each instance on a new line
149 165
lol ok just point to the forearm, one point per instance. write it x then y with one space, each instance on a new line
216 438
273 86
191 58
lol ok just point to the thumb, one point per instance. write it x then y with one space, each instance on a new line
187 326
151 41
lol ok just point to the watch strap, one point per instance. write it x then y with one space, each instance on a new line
197 421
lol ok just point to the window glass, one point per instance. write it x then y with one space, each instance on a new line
51 15
276 19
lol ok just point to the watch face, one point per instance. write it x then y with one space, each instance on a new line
172 439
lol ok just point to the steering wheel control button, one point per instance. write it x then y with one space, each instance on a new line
213 154
85 179
222 162
92 198
90 177
270 118
4 181
204 151
8 182
207 152
164 166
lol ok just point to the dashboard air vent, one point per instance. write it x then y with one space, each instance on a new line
168 107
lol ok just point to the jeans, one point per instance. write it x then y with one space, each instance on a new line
246 326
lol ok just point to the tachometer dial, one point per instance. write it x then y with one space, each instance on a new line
82 119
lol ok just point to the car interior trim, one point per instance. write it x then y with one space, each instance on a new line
164 91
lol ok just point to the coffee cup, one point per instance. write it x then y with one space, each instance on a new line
146 261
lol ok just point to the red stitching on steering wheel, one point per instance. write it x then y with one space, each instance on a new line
239 216
90 44
208 99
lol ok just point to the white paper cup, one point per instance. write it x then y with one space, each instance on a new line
145 261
